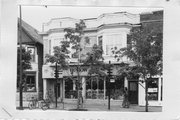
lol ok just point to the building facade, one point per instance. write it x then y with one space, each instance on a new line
108 31
32 41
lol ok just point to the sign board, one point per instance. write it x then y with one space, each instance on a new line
48 71
112 80
150 90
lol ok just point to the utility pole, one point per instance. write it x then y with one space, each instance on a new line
21 71
146 94
109 89
56 76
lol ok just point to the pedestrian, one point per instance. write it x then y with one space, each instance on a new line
125 103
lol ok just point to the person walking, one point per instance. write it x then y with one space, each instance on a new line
125 103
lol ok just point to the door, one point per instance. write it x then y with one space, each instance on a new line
58 90
133 92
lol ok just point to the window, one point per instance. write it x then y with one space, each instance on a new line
100 42
32 49
153 89
30 83
114 40
49 46
57 41
87 41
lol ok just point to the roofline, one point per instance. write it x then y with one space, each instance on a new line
124 12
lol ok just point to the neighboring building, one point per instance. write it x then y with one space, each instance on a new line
153 20
107 30
31 40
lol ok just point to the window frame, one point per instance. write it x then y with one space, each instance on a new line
33 55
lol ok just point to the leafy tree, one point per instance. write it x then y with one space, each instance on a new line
59 57
26 64
95 60
74 37
144 48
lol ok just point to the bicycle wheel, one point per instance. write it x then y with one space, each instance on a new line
30 105
44 105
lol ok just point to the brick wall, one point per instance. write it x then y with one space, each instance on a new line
27 96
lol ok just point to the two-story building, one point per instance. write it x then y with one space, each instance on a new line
108 31
32 41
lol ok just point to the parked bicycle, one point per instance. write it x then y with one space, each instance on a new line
34 103
46 103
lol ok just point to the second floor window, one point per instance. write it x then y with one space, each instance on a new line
49 46
100 41
32 49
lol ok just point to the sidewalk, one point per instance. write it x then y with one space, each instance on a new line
98 105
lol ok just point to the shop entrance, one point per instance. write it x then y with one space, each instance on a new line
58 90
133 92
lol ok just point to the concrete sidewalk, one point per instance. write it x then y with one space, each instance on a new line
98 105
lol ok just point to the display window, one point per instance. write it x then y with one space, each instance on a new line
153 89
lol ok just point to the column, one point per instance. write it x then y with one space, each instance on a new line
125 82
63 96
44 87
159 89
74 84
104 88
61 89
84 88
97 87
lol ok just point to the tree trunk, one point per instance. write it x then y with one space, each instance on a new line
146 95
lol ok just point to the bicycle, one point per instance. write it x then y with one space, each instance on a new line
45 104
34 103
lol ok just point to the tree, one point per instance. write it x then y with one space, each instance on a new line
95 59
59 57
144 48
26 64
74 36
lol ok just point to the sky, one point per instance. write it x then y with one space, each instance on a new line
37 15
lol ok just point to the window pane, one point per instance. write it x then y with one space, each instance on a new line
32 49
30 83
153 89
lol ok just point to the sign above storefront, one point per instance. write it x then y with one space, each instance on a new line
48 71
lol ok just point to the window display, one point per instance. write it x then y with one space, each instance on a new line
153 89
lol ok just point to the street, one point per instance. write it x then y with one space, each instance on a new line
97 105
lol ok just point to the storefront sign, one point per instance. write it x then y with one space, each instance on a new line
112 80
48 71
152 90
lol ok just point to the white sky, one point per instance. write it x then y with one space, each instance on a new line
36 15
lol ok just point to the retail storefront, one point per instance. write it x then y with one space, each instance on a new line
95 87
155 87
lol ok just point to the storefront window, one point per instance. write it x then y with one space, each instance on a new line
153 89
70 89
30 83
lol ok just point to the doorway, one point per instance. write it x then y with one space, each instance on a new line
133 92
58 90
